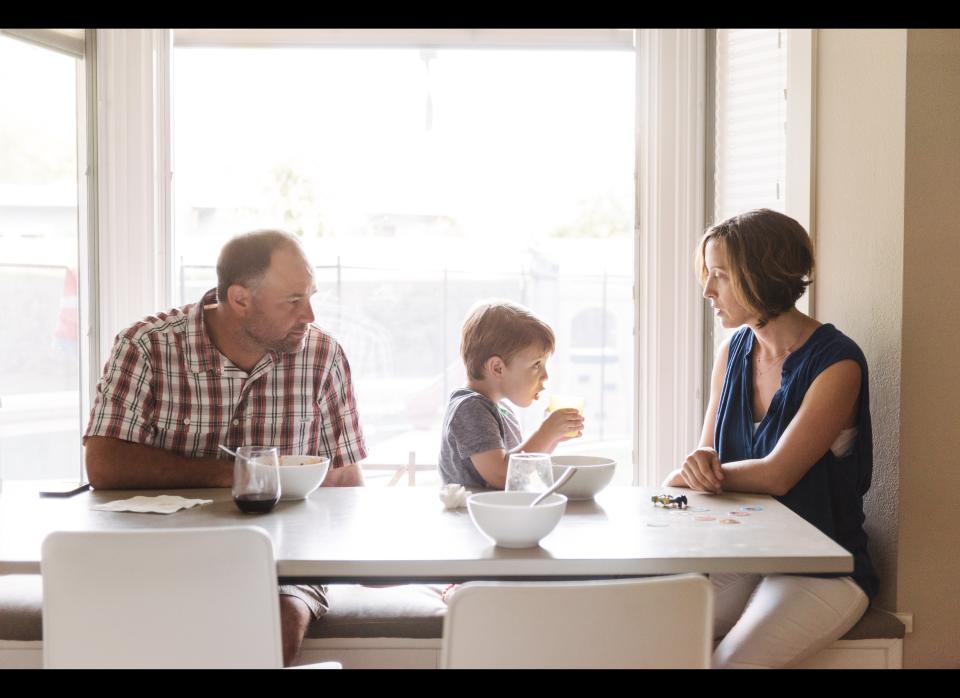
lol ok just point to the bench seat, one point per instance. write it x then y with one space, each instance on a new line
401 626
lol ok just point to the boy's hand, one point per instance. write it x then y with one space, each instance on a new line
562 425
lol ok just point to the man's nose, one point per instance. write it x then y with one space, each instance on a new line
308 315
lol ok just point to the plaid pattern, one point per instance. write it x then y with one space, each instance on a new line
167 386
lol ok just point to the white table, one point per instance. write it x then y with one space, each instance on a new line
386 535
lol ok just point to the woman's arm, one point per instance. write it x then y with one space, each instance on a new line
829 407
701 468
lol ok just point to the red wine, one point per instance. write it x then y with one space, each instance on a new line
256 503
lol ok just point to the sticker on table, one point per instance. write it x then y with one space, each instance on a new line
729 521
752 508
740 513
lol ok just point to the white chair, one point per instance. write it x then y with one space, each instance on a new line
656 622
187 598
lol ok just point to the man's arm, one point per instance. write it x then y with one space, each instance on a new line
339 405
113 464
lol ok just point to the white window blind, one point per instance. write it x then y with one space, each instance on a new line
750 121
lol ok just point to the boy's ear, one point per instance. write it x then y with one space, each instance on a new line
494 366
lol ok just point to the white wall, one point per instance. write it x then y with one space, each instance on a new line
859 239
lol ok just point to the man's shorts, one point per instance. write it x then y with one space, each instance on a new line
315 596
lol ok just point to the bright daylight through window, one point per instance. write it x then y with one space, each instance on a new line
40 402
421 181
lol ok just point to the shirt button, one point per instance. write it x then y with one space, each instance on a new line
186 421
236 422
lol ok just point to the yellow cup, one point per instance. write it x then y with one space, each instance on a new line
559 402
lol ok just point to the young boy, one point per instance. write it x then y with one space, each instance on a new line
505 348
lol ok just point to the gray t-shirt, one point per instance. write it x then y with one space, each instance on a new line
473 424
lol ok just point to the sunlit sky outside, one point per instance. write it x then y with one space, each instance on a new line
513 168
510 145
39 109
38 149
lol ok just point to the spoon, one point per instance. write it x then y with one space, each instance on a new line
224 448
567 474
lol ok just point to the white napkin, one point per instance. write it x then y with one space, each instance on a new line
453 496
162 504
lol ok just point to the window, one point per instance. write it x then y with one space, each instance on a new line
420 181
42 151
762 131
750 127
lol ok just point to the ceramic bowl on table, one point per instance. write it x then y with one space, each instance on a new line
593 473
509 521
301 475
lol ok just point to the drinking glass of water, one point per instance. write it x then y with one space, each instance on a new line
529 472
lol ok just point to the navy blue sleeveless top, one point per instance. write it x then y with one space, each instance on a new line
830 495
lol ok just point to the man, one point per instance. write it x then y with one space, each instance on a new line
244 366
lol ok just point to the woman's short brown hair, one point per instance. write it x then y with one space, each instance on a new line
770 258
500 328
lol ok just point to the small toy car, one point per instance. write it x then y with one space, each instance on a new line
669 501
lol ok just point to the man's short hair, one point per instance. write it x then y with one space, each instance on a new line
770 258
245 259
501 328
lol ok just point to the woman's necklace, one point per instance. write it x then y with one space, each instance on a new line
761 369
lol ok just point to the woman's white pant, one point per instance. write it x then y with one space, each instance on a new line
779 620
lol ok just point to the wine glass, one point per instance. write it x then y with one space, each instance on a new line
256 479
529 472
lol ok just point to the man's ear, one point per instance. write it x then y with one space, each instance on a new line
240 299
493 367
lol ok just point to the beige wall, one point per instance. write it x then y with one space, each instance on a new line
859 238
888 243
930 421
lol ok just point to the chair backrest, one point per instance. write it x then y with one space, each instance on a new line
203 597
656 622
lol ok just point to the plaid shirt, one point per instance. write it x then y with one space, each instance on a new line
166 385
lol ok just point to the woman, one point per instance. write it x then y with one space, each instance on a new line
789 416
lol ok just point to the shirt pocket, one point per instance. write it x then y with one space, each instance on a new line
291 433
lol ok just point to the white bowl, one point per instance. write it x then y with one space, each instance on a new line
301 475
592 475
508 520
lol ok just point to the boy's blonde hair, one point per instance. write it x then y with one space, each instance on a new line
500 328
